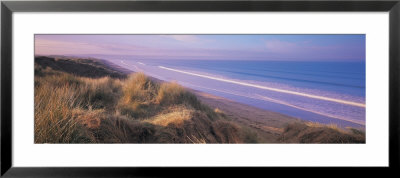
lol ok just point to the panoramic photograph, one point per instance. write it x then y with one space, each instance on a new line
199 88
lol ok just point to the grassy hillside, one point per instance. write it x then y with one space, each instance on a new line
110 109
86 101
79 67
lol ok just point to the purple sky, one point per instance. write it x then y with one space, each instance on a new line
210 47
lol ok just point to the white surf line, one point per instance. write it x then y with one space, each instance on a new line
141 63
270 88
264 98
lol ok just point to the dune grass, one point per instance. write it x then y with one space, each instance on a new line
54 116
74 109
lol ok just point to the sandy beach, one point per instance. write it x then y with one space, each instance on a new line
268 124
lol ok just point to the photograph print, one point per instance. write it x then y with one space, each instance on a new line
199 88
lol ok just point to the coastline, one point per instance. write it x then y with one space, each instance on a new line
100 85
283 118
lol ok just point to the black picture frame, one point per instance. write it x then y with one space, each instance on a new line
8 7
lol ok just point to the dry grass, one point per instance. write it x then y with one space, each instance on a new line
89 118
138 99
308 132
175 118
100 93
139 88
174 94
226 132
194 139
319 125
54 117
73 109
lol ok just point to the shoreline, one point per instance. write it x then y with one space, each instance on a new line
267 123
326 121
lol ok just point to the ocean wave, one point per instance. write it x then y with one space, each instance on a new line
341 101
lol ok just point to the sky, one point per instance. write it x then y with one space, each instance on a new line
206 47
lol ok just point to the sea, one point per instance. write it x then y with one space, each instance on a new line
323 92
